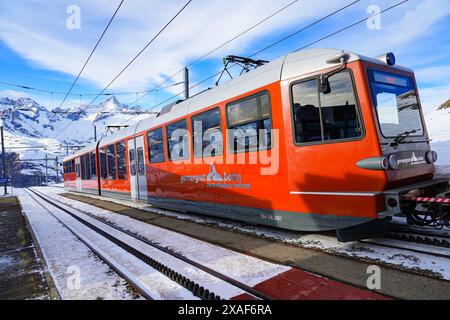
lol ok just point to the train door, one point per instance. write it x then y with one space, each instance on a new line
138 177
78 173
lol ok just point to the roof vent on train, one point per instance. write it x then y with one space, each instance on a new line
168 108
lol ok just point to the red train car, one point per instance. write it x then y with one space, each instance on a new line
317 140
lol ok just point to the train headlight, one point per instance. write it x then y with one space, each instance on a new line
388 58
431 156
393 162
385 163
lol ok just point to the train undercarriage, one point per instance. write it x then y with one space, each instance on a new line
425 204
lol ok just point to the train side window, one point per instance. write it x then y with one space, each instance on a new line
251 123
111 162
177 140
132 162
83 168
140 161
72 166
103 171
306 111
121 161
325 116
93 167
77 170
156 146
338 108
207 134
87 160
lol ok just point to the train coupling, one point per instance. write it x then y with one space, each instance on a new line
424 204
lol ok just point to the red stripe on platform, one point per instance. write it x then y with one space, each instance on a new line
296 284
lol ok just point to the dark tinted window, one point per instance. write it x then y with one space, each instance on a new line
121 161
140 159
93 167
306 112
87 160
103 170
77 169
83 168
177 140
251 123
111 162
207 134
339 115
156 146
132 162
325 116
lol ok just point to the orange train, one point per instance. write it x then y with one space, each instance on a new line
316 140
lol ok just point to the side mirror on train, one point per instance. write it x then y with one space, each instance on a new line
342 58
324 84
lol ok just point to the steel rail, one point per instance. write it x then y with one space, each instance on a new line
168 251
142 291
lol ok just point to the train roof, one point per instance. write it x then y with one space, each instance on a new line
288 66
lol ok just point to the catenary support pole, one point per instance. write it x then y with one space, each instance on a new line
3 159
46 169
186 83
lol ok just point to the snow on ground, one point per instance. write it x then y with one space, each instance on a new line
439 266
158 286
65 255
243 268
10 191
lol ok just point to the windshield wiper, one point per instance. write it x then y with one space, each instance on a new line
400 138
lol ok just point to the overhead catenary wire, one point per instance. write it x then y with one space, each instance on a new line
277 42
22 86
131 62
220 46
301 48
92 52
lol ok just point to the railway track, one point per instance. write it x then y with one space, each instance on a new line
420 237
136 285
366 249
104 229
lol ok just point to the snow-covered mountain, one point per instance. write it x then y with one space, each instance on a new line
30 127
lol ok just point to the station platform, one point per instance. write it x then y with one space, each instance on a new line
22 271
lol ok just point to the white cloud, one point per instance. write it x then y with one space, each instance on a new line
437 74
13 94
37 31
400 27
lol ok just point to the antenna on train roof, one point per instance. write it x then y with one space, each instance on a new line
245 63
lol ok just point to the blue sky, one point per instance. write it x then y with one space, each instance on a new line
37 49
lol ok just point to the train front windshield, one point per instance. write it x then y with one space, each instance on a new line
396 103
